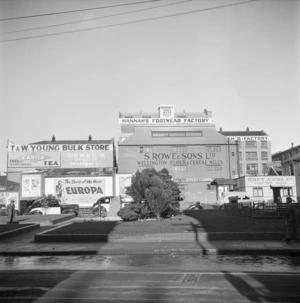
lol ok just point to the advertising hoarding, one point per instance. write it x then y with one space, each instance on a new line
60 155
83 191
33 159
31 185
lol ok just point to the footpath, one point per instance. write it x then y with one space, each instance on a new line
23 244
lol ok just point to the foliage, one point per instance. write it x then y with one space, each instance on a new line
135 211
156 189
48 201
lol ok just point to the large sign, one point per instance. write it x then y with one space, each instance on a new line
59 147
60 155
80 190
275 181
177 159
148 121
86 159
33 159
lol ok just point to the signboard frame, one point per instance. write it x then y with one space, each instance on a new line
32 185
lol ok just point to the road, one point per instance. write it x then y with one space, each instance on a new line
149 279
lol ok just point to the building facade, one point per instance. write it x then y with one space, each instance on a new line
187 144
289 161
254 151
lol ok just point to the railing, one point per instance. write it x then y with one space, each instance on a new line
258 209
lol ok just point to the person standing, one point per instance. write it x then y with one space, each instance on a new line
291 221
10 211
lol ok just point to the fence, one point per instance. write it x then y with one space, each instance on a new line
258 210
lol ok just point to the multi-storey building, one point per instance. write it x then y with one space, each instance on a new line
254 151
290 165
187 144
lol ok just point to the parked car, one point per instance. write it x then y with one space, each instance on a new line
104 205
196 206
40 208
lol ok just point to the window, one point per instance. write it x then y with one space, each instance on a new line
265 168
182 187
291 170
258 192
213 149
251 155
179 149
241 155
264 155
252 168
144 149
250 144
232 154
264 144
177 134
288 191
214 168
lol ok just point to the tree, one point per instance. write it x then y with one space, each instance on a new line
154 188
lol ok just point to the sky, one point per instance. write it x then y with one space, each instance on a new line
70 70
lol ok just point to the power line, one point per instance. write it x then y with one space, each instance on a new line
75 11
129 22
91 19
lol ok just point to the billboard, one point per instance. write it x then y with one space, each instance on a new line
84 191
31 186
60 155
33 159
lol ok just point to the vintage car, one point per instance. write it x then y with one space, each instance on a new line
39 207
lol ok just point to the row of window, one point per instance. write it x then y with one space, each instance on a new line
258 192
252 168
179 149
250 144
177 134
254 155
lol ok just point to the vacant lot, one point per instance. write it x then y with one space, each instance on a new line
205 221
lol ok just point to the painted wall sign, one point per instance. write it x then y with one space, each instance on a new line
86 159
33 159
140 121
276 181
174 159
59 147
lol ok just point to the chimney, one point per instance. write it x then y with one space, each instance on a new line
292 144
221 129
53 138
90 138
247 129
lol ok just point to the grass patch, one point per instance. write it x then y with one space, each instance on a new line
200 221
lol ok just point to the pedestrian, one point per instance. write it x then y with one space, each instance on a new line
291 221
10 211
